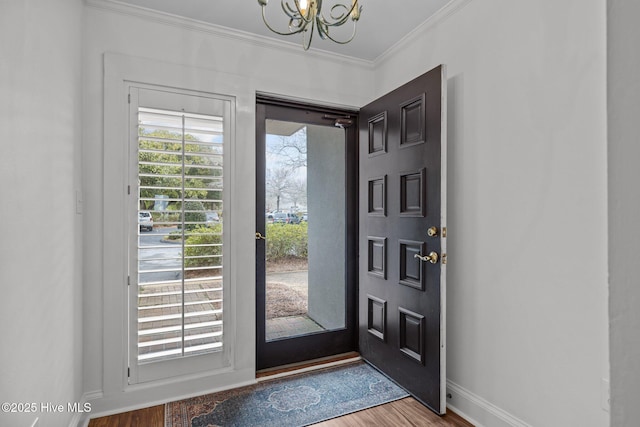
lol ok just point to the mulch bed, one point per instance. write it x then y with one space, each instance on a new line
282 301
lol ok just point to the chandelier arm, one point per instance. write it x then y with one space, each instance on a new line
323 30
307 45
342 41
333 24
264 18
296 26
341 18
288 10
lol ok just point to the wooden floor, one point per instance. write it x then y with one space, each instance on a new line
148 417
404 412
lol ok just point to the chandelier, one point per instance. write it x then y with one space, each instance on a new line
305 15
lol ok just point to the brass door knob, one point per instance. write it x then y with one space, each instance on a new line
432 231
432 257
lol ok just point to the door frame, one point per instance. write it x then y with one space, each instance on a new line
313 346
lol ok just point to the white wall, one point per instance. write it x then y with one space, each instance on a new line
527 271
193 50
326 184
40 252
624 209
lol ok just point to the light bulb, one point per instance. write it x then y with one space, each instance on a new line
304 7
355 10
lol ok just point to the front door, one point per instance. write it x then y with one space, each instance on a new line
306 234
402 236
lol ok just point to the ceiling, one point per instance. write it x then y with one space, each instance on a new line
382 24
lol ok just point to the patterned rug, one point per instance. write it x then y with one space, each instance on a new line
298 400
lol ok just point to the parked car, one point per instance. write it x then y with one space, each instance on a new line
304 217
212 218
145 221
268 217
285 218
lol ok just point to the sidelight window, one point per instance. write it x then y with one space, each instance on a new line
177 283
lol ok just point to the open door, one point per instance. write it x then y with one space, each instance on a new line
306 237
402 237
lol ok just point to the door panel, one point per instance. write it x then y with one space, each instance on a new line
309 312
402 286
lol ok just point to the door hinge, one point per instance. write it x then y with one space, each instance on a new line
129 98
128 372
128 280
444 231
128 189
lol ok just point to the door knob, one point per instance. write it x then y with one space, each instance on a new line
432 231
432 257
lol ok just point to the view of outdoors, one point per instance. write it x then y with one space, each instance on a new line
286 231
179 236
292 193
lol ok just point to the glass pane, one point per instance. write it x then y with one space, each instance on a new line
305 229
180 165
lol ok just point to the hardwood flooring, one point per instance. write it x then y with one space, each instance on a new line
147 417
404 412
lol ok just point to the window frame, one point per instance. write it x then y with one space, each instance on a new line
150 96
109 296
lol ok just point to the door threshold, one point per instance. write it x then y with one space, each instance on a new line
306 366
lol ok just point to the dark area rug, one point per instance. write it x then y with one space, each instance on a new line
293 401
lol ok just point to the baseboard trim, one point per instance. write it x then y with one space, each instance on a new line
479 411
76 420
81 419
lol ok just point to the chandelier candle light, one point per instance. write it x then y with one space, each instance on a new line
304 15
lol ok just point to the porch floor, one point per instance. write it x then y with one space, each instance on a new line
282 327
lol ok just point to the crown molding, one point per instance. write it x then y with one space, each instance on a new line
441 15
169 19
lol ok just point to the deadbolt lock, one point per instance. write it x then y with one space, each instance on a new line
432 231
432 257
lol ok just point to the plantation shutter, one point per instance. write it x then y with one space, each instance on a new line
179 280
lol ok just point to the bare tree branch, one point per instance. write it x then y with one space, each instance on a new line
293 149
297 191
277 183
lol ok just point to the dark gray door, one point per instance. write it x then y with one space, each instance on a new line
402 236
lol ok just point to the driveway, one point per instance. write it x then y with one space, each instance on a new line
162 255
297 280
